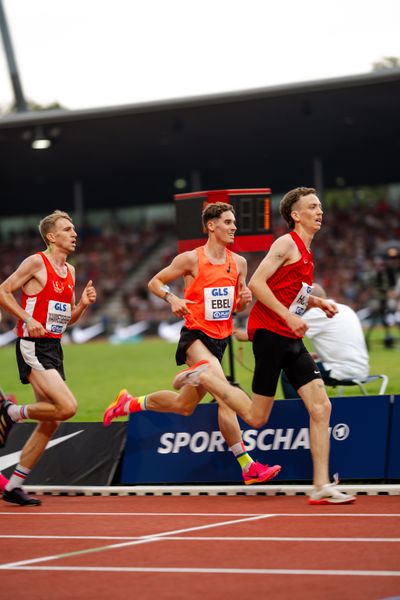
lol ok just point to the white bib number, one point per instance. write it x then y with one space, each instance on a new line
58 316
299 304
218 303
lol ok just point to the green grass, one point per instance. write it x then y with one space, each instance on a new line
96 371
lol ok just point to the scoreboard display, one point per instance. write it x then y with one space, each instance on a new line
252 211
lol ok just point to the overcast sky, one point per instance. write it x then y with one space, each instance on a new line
88 53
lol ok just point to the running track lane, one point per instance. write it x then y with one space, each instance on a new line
201 547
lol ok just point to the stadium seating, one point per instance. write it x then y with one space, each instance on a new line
346 256
107 255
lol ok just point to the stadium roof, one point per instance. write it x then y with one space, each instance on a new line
345 130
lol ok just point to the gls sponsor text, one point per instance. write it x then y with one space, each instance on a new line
220 300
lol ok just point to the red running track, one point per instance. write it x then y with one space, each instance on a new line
208 547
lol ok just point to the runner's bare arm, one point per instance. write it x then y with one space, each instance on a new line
280 253
88 297
328 306
30 269
182 265
244 293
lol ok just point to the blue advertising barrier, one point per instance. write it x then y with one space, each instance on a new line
167 448
394 441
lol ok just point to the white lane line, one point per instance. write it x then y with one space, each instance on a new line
318 572
143 540
204 538
38 513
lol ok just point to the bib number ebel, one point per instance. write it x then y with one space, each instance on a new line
58 316
218 303
299 304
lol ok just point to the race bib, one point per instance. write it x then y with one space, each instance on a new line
299 304
58 316
218 303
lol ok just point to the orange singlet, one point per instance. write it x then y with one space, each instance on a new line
214 292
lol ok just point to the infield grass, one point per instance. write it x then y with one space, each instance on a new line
96 371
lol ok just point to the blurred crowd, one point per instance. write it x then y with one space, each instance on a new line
357 257
357 261
107 255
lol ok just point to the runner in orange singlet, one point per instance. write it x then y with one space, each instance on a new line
47 283
215 287
282 285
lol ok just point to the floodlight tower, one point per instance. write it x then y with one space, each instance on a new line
20 101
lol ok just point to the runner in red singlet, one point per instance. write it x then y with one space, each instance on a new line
282 285
215 287
47 283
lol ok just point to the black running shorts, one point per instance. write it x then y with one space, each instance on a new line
274 352
188 336
40 354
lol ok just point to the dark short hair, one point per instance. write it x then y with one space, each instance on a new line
213 211
290 198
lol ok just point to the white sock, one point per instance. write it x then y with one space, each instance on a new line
18 413
238 448
17 479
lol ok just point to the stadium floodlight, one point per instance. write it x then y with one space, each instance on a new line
40 140
20 101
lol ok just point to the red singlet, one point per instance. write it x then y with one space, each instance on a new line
214 291
52 305
291 284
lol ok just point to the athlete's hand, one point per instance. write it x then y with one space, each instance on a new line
179 305
296 324
88 294
35 329
241 335
329 307
244 298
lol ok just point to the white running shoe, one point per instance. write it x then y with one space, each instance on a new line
191 375
329 494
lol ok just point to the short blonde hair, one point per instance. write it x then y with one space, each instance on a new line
46 225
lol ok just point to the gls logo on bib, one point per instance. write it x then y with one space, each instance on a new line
58 316
218 303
